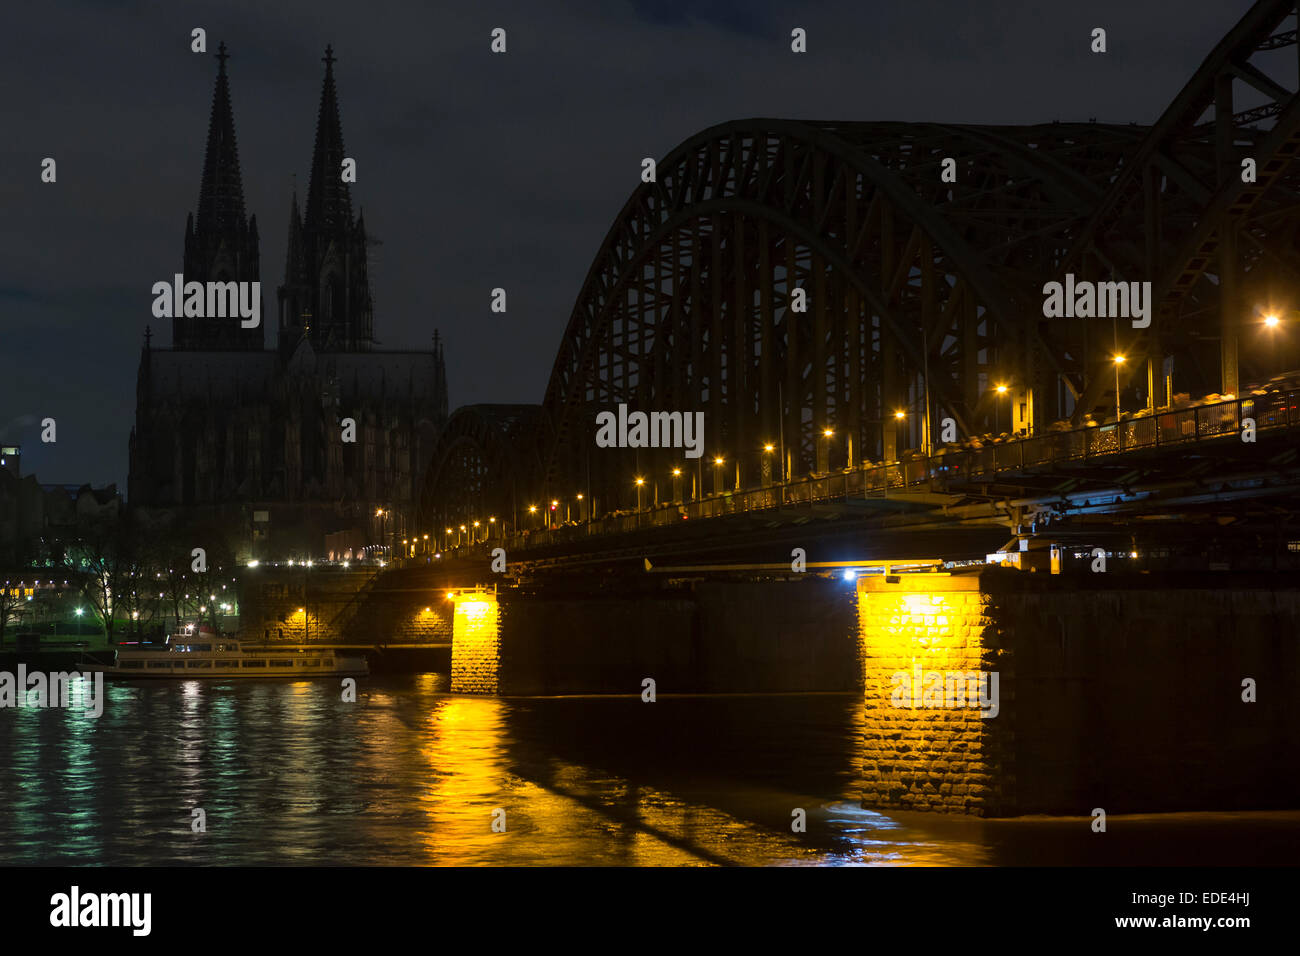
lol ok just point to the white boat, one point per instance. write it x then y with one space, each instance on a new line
210 655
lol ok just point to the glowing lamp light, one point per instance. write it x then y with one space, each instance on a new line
79 612
1271 321
900 415
1001 389
677 472
1119 360
769 448
717 461
827 432
850 574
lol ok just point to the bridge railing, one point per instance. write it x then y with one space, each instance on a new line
1166 427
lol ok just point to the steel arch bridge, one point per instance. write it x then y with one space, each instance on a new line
923 295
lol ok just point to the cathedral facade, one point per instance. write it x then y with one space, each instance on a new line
314 447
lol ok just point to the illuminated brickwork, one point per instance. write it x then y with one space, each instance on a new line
476 645
929 758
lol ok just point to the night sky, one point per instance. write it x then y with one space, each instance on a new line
475 170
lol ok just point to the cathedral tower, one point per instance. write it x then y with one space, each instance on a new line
221 243
326 291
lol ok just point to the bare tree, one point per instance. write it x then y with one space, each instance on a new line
13 607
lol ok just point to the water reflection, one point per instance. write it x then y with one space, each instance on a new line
290 773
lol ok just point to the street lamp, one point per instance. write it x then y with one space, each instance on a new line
1119 360
1000 390
640 482
718 462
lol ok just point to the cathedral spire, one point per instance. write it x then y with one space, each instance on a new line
220 241
326 275
329 202
221 194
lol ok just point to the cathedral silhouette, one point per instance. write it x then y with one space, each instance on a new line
251 439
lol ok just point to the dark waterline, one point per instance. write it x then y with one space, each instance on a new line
288 773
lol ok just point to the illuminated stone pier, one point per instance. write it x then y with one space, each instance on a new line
1003 693
476 643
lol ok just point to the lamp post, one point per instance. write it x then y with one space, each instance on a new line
718 462
677 485
1000 390
925 375
1119 360
640 482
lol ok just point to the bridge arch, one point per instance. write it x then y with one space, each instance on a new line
909 281
484 462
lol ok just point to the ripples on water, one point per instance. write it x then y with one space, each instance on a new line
290 774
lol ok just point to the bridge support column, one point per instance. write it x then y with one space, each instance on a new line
476 644
917 753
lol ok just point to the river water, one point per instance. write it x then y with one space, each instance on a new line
286 772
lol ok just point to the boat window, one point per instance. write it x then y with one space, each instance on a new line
227 663
254 663
281 663
133 663
200 663
166 664
311 663
200 647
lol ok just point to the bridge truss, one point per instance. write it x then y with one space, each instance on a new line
922 296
